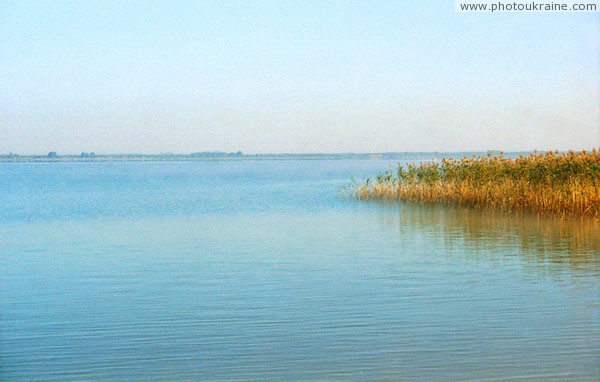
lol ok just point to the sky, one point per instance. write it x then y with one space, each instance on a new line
294 77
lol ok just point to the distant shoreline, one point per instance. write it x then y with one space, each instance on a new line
221 156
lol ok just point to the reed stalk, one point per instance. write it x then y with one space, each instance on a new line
566 184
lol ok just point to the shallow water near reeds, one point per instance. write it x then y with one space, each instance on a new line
259 270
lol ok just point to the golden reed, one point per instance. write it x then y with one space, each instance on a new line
566 184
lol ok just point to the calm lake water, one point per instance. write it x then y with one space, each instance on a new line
259 270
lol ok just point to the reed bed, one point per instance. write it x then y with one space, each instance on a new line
566 184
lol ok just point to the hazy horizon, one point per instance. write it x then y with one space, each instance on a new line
297 77
116 154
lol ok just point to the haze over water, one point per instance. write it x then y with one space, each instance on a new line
294 77
259 270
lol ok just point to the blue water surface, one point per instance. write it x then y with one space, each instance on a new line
265 270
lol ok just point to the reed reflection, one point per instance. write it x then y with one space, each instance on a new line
546 242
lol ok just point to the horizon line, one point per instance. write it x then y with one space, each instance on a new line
241 153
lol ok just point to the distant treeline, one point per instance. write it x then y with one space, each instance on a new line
53 156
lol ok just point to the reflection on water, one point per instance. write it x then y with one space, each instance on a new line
545 242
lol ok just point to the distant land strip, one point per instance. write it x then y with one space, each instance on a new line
53 156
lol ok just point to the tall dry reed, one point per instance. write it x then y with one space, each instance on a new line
566 184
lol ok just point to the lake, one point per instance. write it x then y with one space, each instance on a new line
263 270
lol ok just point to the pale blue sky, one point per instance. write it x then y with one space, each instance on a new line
294 76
